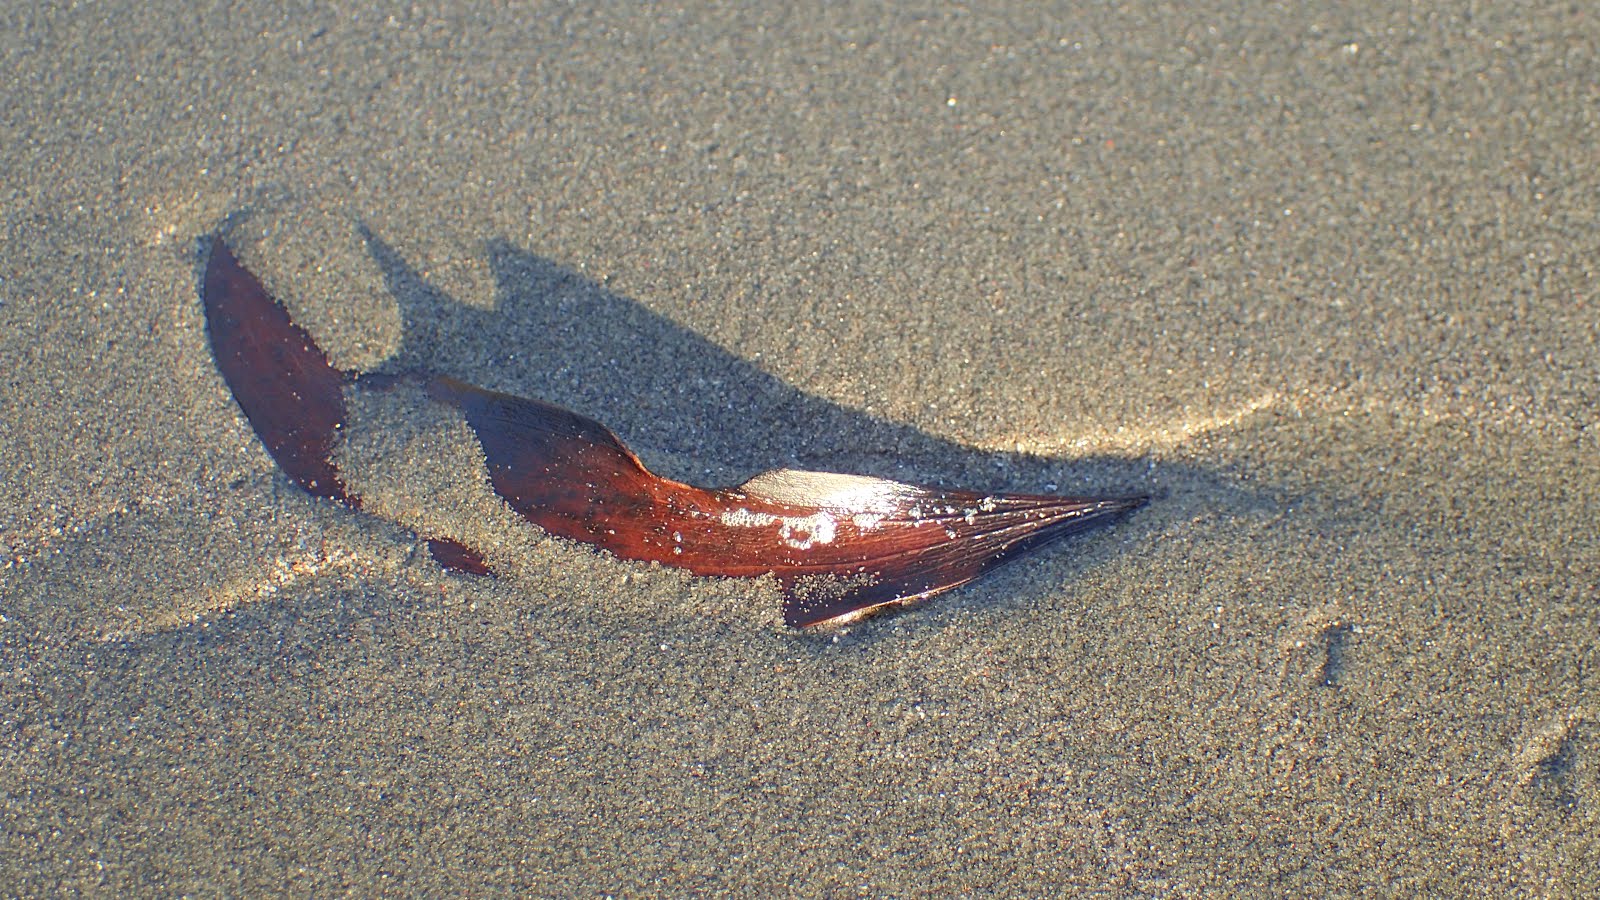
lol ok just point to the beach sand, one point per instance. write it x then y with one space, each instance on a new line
1323 282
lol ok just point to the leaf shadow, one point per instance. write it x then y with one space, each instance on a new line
559 336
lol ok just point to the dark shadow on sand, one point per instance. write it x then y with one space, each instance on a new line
558 336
